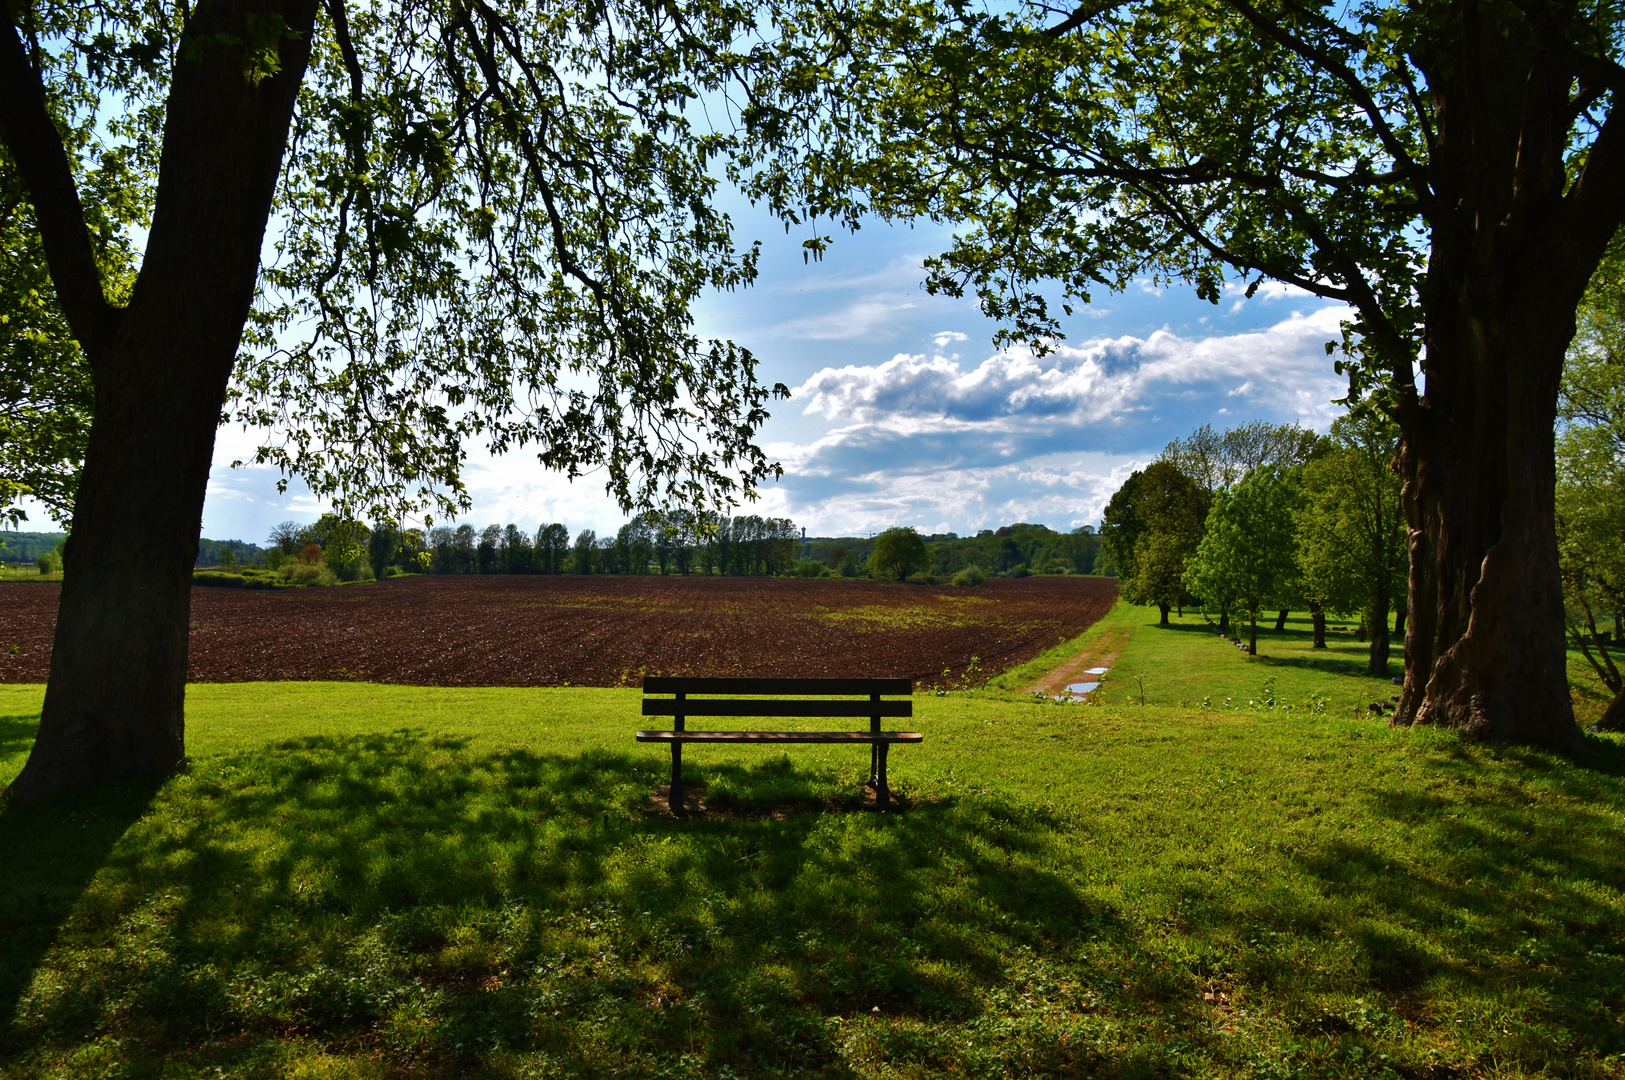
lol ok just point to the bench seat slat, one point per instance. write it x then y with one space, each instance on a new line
668 684
781 736
746 707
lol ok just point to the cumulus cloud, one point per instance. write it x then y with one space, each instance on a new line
1019 437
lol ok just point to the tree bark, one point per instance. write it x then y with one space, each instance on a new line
1613 719
1164 609
1280 621
1319 614
115 694
1377 657
1252 632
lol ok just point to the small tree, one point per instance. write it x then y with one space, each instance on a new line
586 550
382 547
1249 547
552 545
897 552
1151 529
1351 527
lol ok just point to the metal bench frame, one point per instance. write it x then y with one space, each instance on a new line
770 699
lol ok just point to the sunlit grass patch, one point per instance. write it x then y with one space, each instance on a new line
358 881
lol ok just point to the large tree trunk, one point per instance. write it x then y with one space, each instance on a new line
1484 642
1280 620
1319 614
1514 242
1164 609
114 699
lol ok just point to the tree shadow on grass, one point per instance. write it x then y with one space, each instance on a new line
444 908
17 733
49 852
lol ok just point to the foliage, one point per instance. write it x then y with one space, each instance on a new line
1351 531
1591 478
470 894
1150 530
1248 553
897 553
47 394
468 250
1215 461
970 576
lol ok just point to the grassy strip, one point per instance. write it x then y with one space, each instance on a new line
360 880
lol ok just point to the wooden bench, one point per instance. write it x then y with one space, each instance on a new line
768 698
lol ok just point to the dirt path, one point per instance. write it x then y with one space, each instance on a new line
1102 652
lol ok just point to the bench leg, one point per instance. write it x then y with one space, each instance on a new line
882 792
874 765
676 799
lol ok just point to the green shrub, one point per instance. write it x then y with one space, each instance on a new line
275 558
251 579
48 562
971 575
809 568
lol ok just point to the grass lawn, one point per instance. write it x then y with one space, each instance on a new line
368 881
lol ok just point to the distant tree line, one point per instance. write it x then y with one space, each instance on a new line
1010 550
26 547
672 542
1269 517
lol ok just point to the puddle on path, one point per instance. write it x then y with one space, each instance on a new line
1079 689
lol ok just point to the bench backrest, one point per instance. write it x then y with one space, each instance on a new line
680 705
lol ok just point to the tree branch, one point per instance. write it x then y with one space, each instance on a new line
31 136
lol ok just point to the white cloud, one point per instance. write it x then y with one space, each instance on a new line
949 337
875 317
920 438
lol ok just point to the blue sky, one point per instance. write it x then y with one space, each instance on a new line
904 413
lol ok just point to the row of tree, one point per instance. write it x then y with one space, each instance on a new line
1591 482
1269 516
678 541
1013 550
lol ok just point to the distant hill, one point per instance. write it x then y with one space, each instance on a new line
25 547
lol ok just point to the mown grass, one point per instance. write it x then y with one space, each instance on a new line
359 880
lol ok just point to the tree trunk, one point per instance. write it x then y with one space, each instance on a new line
1614 718
1377 659
1319 614
115 694
1280 621
1515 237
1164 609
1224 621
1252 632
1399 623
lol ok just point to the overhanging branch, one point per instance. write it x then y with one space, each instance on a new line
31 135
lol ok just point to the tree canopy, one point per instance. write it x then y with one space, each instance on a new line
1451 172
1591 481
1247 555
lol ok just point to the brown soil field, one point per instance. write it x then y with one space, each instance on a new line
596 631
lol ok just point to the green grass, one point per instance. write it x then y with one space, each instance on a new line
359 880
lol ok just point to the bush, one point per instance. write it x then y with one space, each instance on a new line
303 573
971 575
809 568
1021 571
48 562
275 558
250 580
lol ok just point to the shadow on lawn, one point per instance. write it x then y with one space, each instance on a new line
50 851
446 907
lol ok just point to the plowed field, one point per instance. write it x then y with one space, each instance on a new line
596 631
